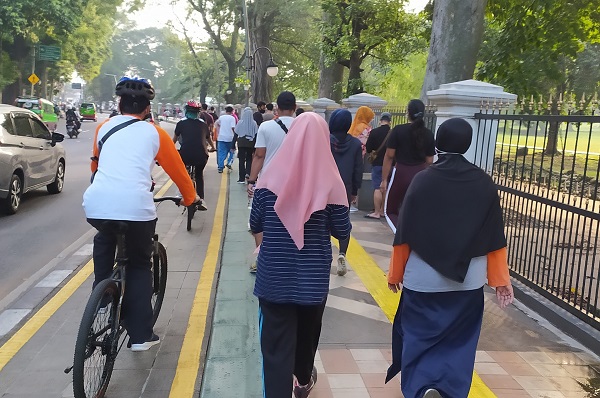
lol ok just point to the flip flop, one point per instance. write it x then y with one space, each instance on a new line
371 217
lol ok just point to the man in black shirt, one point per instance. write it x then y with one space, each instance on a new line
258 115
376 143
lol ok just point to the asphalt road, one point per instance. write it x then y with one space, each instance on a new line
47 224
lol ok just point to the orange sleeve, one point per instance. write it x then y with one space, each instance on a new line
497 268
171 162
398 263
95 152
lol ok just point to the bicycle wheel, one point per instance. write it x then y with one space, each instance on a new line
96 348
159 278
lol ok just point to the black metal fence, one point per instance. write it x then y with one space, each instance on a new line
399 116
547 168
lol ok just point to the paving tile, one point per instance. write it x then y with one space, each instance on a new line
506 357
367 354
533 382
549 370
345 381
536 357
323 393
567 358
565 383
385 393
546 394
500 382
483 356
380 366
338 361
511 393
356 392
488 368
377 380
322 382
580 371
519 369
160 379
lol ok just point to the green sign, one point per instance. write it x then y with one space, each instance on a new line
48 53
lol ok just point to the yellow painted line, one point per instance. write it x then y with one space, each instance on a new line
189 358
31 327
375 281
164 189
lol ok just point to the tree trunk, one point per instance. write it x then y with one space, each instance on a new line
261 19
355 83
456 36
330 80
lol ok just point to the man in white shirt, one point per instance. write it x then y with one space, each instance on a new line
226 127
269 137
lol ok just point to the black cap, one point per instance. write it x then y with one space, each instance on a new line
386 116
286 101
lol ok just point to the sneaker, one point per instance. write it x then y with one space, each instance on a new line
303 391
341 265
253 267
353 209
202 206
220 171
432 393
228 166
145 346
241 182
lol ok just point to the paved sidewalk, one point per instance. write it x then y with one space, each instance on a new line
517 357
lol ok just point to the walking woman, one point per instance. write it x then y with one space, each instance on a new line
449 242
361 125
348 156
411 147
246 134
292 281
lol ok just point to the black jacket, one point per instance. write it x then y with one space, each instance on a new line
347 152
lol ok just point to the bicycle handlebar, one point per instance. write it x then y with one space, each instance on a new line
175 199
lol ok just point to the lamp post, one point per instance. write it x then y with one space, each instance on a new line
114 77
272 68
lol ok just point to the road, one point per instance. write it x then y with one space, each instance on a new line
46 225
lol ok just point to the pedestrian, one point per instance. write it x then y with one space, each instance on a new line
299 111
361 125
292 281
411 146
376 151
246 131
226 125
258 115
449 241
347 153
268 115
269 138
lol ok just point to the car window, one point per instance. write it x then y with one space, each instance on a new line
6 123
39 130
22 126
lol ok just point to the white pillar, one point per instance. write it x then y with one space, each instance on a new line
324 107
464 99
363 99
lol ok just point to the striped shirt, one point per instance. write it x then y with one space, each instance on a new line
286 274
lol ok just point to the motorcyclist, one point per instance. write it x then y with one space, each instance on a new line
71 117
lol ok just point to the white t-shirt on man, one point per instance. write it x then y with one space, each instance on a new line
270 136
227 124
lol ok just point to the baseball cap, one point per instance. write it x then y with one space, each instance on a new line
386 116
286 101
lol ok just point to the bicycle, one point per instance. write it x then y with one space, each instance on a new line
99 338
193 208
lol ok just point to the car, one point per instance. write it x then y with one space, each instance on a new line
87 110
41 107
30 157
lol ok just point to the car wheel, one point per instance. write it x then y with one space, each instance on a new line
59 180
15 190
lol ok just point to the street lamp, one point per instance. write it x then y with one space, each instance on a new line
114 77
272 68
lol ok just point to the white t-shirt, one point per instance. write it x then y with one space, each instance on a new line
227 123
270 136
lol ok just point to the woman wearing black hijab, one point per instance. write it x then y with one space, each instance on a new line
449 242
411 147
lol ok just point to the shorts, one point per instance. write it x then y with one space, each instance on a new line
376 176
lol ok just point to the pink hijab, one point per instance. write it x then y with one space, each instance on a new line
303 175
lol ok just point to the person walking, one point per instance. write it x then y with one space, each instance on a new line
245 130
261 107
361 125
449 242
411 146
347 152
226 125
292 281
376 151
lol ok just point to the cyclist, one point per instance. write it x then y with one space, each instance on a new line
193 135
124 153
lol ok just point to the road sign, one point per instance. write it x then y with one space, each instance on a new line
76 86
49 53
33 79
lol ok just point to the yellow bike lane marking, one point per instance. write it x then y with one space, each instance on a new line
188 364
35 323
375 281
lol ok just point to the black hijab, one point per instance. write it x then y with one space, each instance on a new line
451 211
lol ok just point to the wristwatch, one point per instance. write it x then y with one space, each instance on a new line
251 182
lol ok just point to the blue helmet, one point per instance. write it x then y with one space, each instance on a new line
135 87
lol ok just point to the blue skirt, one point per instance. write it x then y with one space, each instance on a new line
434 340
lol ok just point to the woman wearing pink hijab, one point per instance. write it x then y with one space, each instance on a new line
299 203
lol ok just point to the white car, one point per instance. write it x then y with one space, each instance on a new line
30 157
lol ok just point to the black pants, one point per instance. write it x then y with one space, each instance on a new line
200 165
245 159
289 335
137 307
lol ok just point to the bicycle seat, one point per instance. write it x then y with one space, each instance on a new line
114 227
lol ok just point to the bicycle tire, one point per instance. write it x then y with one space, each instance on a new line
85 348
159 268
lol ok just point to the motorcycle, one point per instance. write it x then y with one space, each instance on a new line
72 129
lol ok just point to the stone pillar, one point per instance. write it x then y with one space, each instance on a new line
304 105
324 107
464 99
363 99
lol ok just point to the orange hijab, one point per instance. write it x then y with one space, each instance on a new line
361 121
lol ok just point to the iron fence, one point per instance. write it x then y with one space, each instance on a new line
547 169
399 116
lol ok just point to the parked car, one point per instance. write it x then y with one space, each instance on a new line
41 107
30 157
87 110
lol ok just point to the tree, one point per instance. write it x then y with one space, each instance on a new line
456 35
357 29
